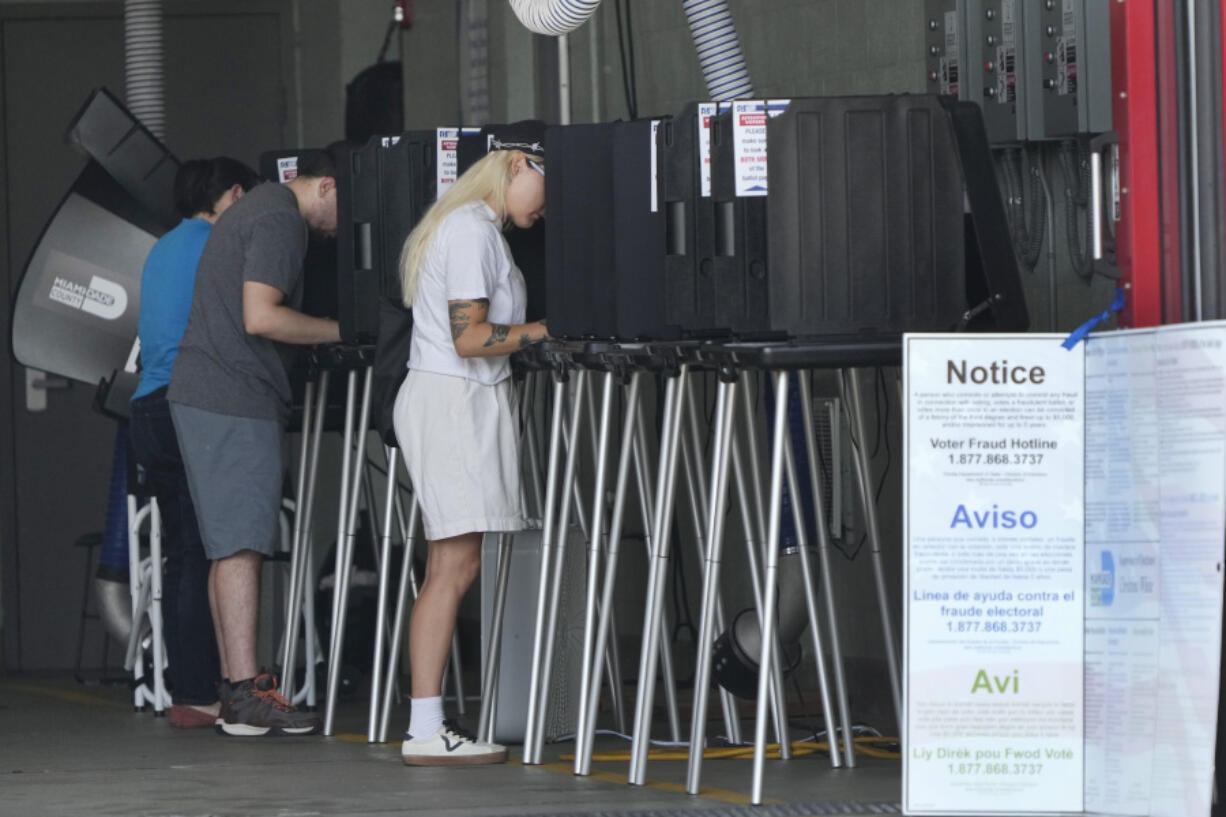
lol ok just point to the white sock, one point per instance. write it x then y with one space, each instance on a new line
425 716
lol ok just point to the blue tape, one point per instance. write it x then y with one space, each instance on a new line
1079 334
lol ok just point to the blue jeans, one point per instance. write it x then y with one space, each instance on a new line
190 642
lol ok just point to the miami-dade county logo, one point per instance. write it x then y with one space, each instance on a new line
1102 582
103 298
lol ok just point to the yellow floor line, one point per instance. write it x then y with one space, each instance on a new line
711 793
67 695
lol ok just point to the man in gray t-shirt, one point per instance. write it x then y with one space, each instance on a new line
229 396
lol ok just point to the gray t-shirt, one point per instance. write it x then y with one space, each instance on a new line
220 367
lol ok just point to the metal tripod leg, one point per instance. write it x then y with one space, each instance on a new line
344 545
707 623
558 569
408 583
300 560
645 483
586 679
850 385
531 736
749 481
692 462
806 567
590 703
385 564
612 657
311 648
292 605
674 411
493 650
161 698
770 576
823 554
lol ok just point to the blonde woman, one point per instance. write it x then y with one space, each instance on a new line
454 416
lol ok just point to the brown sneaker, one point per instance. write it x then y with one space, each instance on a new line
254 707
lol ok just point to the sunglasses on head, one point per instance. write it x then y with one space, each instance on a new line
535 166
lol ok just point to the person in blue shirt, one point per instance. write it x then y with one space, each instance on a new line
203 190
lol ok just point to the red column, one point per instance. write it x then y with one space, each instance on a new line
1134 64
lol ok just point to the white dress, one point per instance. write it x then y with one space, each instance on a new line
455 417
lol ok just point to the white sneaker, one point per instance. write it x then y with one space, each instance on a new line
451 745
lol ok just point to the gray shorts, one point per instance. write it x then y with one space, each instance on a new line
234 471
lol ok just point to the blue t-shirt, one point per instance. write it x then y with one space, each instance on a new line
166 287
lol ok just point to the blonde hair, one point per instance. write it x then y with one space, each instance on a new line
488 178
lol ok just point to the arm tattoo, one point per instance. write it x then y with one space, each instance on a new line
498 333
525 340
460 319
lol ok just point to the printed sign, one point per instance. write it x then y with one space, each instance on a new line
993 580
1144 690
706 111
448 164
749 142
287 168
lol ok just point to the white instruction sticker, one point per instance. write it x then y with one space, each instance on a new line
706 110
749 142
287 168
447 166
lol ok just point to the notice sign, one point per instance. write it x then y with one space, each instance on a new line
749 142
994 575
1053 494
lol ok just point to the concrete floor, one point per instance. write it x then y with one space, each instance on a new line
68 749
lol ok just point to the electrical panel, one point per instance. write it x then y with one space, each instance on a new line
944 47
1074 47
1039 69
1000 73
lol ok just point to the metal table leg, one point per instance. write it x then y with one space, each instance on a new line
752 482
408 583
675 395
300 561
344 548
770 583
823 554
806 567
532 738
692 461
586 681
590 704
718 497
